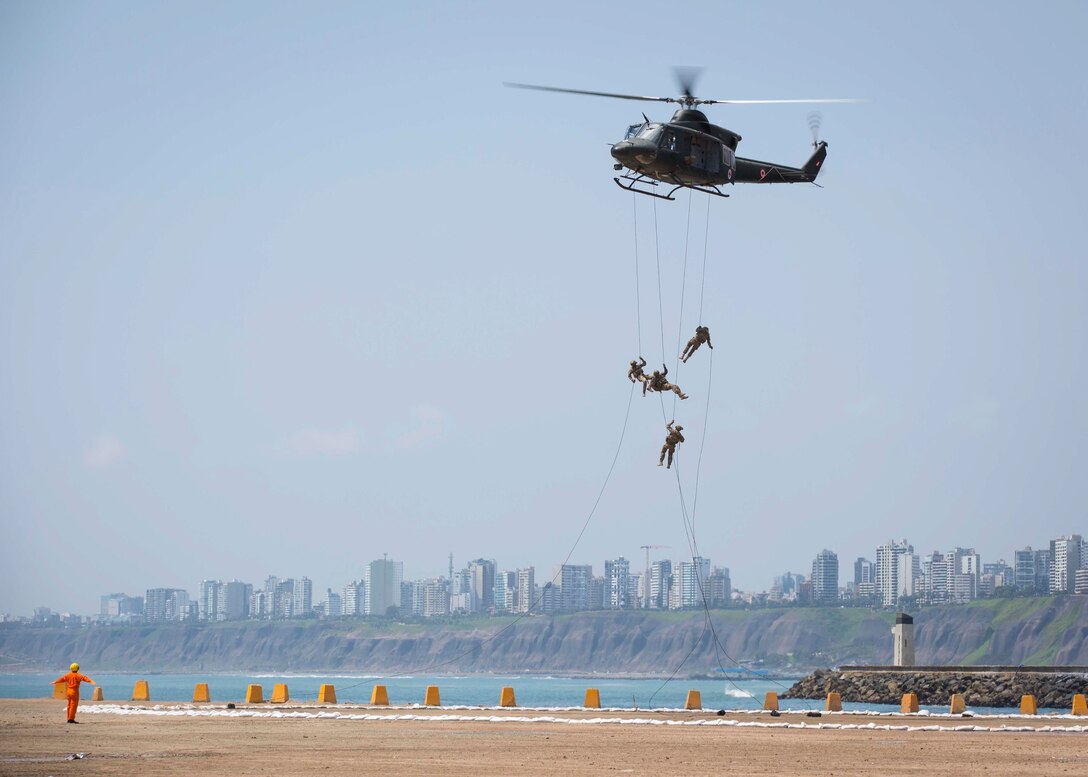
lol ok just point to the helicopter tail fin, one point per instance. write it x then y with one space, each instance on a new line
812 167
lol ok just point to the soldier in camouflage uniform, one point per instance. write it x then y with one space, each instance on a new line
702 335
671 440
636 373
657 382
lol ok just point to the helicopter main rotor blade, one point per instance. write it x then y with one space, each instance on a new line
776 102
592 94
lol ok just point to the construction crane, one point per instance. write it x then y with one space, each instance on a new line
646 580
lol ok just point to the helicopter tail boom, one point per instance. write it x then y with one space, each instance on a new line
754 171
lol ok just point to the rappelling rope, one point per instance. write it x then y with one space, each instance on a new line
702 285
660 305
638 295
683 291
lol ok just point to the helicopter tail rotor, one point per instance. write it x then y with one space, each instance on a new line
815 118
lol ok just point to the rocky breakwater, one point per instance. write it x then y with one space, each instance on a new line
981 687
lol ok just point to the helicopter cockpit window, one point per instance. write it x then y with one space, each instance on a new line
632 131
650 132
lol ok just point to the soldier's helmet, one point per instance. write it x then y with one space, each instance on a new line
678 428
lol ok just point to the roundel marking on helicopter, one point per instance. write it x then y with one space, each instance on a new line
762 173
729 174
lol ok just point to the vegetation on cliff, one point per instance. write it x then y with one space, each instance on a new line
1042 630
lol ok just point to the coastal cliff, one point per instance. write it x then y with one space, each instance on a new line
1044 630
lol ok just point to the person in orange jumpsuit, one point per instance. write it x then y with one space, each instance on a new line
73 679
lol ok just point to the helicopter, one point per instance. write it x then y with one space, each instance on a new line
689 152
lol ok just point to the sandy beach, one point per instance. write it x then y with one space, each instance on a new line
34 740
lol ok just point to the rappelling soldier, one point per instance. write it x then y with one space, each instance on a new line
636 373
671 440
702 335
658 382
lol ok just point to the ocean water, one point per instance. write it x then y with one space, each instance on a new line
459 690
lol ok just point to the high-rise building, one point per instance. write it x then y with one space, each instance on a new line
334 604
506 586
462 598
527 590
483 583
209 600
1042 571
895 576
351 600
407 593
165 604
121 607
595 593
825 578
660 584
718 587
302 595
690 576
1080 581
864 578
382 579
1065 560
935 578
436 597
616 577
1023 562
574 587
233 601
549 599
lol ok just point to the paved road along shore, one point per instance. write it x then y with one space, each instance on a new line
310 740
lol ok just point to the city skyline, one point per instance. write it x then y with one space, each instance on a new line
924 578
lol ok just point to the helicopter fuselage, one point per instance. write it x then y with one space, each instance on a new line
690 151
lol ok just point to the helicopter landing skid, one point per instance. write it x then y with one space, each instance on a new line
632 186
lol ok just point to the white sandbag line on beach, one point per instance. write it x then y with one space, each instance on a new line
160 710
343 707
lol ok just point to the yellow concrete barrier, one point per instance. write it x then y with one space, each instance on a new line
1027 705
958 705
834 702
97 695
379 696
279 694
200 692
431 698
60 691
506 698
326 694
694 701
593 698
770 702
909 703
1080 704
141 692
254 694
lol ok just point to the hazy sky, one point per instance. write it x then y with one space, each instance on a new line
284 287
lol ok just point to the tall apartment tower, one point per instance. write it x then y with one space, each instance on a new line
903 634
896 570
825 578
483 583
1065 560
526 589
382 581
616 575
